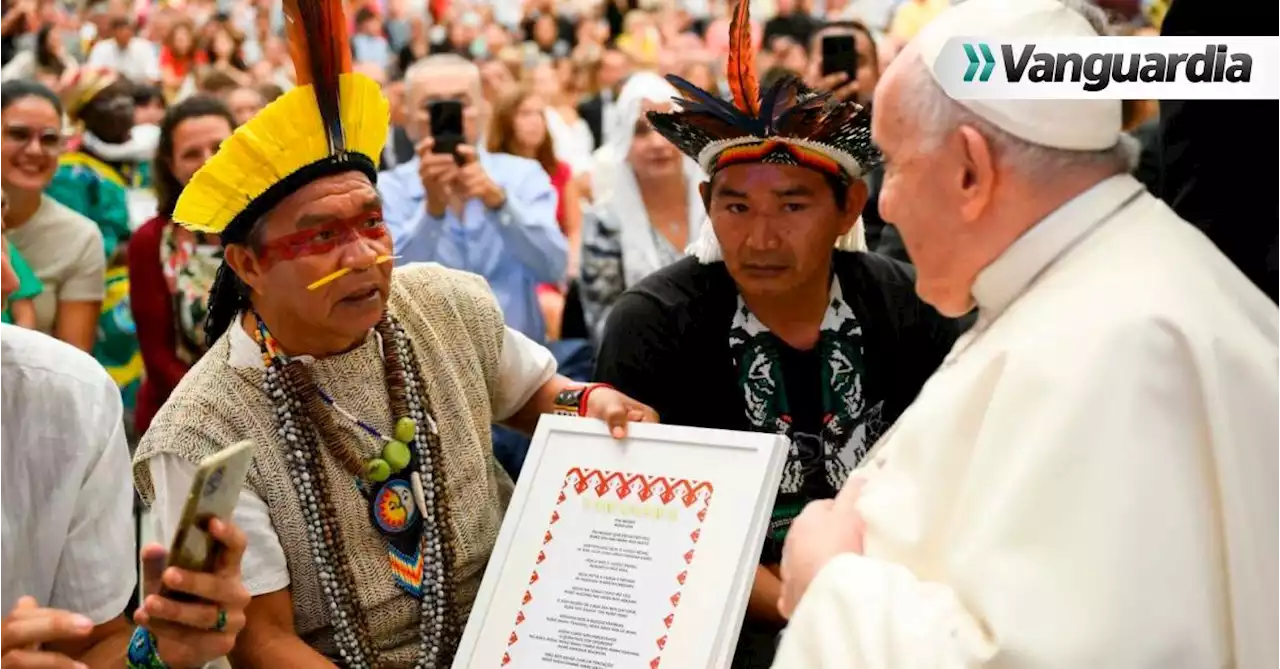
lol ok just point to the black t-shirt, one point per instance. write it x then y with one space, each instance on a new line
666 344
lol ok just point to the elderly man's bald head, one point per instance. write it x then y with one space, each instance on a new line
959 188
444 77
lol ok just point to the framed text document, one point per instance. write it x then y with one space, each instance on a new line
629 554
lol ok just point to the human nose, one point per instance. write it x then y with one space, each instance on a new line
360 252
761 234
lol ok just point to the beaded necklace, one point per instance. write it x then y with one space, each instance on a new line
305 425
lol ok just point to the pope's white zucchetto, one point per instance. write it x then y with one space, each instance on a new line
1077 125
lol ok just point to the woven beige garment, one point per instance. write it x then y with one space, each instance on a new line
457 332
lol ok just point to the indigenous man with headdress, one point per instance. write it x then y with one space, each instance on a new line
769 328
1089 480
375 499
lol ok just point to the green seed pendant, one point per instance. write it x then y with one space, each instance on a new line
395 454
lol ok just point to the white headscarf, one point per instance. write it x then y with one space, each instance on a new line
621 193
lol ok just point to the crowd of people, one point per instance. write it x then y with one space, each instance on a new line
217 221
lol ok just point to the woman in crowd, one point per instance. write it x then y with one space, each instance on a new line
519 127
179 58
63 248
652 211
569 132
171 267
47 63
222 53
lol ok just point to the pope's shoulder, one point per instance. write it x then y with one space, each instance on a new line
1146 277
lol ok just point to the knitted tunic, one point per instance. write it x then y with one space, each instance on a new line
457 333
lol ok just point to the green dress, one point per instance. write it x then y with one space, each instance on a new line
29 285
99 192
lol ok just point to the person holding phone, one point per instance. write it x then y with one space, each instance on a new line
490 213
844 60
493 214
68 555
373 500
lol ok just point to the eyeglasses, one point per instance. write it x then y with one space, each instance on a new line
51 140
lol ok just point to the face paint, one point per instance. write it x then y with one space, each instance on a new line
320 283
323 239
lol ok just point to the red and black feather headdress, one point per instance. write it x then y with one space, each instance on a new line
788 123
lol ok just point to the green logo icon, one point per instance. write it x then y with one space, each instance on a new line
988 62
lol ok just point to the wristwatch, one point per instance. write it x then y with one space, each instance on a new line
572 401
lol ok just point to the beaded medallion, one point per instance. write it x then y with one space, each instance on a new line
410 509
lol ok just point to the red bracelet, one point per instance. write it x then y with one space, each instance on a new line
586 393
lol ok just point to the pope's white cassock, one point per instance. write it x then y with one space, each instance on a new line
1089 480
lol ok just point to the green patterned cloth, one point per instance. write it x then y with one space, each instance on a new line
97 191
29 285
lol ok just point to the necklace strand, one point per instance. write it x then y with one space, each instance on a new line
438 629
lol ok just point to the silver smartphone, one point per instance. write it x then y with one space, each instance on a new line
214 493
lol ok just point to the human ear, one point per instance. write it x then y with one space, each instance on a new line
244 262
855 201
978 172
704 189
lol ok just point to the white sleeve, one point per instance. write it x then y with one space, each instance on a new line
264 565
151 62
524 367
96 572
1086 534
100 55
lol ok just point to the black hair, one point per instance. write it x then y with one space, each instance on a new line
45 58
145 94
166 184
19 89
229 296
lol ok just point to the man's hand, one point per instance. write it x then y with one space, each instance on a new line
822 531
28 626
438 172
472 182
616 410
189 634
838 84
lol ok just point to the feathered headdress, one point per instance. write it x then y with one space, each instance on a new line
788 123
334 121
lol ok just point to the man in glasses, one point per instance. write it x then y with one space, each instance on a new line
493 214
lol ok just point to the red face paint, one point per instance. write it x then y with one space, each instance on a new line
323 239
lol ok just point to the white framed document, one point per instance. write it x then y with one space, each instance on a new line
630 554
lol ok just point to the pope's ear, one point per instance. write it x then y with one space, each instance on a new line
244 262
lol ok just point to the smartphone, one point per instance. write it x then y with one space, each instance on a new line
213 494
446 124
840 55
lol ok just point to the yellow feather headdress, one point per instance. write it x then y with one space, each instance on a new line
334 121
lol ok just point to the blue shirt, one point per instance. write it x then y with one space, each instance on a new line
514 248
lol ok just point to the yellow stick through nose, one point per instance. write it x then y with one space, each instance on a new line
324 281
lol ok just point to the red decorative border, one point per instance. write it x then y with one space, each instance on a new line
602 482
